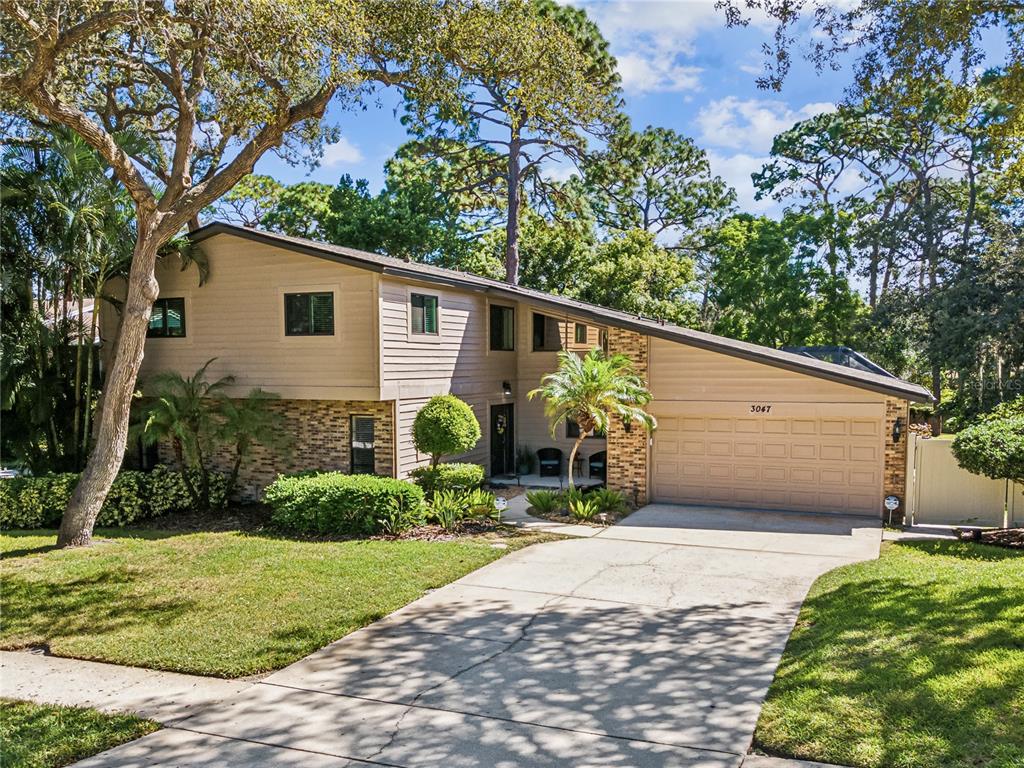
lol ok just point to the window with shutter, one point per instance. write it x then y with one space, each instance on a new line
309 314
503 328
363 456
424 314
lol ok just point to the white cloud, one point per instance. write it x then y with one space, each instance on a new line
653 40
736 170
341 152
641 74
751 124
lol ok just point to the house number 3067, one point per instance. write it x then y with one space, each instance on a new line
760 409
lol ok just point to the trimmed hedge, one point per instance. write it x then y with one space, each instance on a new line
335 503
39 502
448 477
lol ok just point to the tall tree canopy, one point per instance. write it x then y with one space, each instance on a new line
519 103
204 90
655 180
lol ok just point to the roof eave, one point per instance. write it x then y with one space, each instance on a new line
897 387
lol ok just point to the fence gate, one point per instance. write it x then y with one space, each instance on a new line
940 492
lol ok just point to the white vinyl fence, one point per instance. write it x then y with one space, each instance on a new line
940 492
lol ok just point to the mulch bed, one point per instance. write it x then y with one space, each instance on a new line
1011 538
601 520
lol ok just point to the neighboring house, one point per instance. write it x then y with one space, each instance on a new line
355 343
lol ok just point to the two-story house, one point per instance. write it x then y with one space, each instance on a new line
355 343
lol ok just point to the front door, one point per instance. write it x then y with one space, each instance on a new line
503 452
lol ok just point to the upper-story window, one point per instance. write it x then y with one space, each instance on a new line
581 333
309 314
167 319
546 337
503 328
424 314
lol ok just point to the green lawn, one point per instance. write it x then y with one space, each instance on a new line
39 736
915 660
216 603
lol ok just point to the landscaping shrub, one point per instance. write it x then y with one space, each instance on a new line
583 509
545 502
481 505
608 500
398 517
445 425
448 477
569 497
449 508
39 502
331 502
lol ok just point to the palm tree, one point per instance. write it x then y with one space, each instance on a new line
185 412
247 422
590 390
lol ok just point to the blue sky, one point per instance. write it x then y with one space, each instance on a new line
681 68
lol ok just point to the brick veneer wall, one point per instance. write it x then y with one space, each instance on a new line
628 451
320 431
894 481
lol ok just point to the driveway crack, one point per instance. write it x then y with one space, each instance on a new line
450 678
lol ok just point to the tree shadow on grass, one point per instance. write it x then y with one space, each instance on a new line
923 672
92 606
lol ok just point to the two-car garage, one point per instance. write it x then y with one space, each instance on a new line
814 458
739 432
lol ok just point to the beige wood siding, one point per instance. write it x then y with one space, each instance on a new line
681 372
238 318
736 432
457 360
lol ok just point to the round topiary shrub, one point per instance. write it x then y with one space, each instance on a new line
993 447
445 425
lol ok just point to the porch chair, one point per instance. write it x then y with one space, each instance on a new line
549 462
597 465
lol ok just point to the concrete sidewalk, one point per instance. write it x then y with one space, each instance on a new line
649 644
165 697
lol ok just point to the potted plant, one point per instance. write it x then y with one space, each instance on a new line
524 460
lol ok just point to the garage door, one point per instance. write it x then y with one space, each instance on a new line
814 463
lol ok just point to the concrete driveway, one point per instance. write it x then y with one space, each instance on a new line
650 644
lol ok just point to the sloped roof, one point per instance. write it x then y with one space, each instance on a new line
388 265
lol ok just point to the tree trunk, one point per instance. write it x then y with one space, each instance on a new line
105 460
572 455
512 224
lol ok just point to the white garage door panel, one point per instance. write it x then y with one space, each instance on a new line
822 464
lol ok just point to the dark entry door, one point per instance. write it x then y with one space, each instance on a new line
503 442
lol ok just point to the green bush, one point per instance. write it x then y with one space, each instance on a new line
481 505
335 503
398 516
449 508
545 502
39 502
608 500
994 447
569 497
583 509
445 425
448 477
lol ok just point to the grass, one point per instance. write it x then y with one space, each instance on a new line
915 660
227 604
43 736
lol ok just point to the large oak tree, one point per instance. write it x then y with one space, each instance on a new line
182 99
